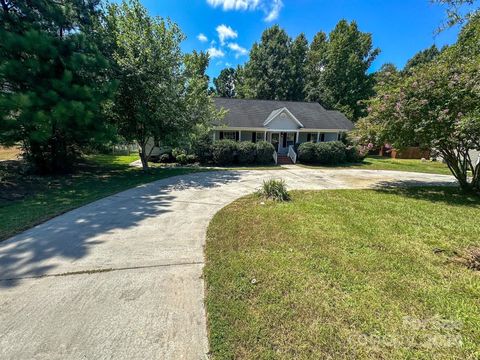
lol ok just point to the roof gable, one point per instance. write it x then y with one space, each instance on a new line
283 116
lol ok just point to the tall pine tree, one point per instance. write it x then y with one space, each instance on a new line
52 81
338 66
298 57
268 73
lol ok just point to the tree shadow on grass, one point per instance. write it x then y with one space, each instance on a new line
74 235
436 193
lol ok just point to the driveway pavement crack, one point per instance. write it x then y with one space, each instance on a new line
97 271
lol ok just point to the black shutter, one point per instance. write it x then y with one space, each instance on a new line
221 135
254 137
322 137
237 135
285 140
309 137
294 138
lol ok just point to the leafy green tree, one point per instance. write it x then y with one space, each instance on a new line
162 94
437 106
298 58
225 83
52 81
458 11
268 73
341 62
422 57
315 65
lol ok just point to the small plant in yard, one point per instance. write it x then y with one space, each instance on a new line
275 190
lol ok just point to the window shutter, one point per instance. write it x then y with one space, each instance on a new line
295 138
237 135
254 137
322 137
309 137
221 135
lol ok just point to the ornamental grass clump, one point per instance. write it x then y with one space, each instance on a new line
275 190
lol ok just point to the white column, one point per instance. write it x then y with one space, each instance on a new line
265 136
239 135
298 137
318 136
214 131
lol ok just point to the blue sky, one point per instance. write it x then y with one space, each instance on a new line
230 27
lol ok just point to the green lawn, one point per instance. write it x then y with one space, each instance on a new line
345 274
383 163
29 200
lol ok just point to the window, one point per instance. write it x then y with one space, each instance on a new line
260 136
312 137
230 135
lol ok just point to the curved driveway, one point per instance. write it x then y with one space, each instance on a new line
121 278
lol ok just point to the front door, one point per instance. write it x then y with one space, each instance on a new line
276 140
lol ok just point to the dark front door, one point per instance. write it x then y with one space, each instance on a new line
275 140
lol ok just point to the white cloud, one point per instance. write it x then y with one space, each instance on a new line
202 37
225 32
239 51
274 10
234 4
271 8
214 53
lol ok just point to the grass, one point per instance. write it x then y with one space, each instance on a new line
27 200
345 274
383 163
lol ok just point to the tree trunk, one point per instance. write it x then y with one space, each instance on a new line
143 157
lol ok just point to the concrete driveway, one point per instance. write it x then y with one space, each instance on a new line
121 278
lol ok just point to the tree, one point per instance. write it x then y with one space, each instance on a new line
339 65
52 81
298 58
458 11
437 106
387 74
162 94
422 57
268 73
225 83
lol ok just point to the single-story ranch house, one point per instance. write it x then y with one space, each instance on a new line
282 123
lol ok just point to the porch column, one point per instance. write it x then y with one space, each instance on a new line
318 136
214 135
265 136
239 135
298 137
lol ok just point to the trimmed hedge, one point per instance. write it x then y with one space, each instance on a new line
265 152
224 151
323 153
246 152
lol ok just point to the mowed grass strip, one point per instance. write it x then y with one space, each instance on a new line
384 163
341 274
27 200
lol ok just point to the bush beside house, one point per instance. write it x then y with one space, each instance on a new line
328 153
264 153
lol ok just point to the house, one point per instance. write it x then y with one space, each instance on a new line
282 123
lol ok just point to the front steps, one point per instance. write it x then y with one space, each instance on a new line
283 160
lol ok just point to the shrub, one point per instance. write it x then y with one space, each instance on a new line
324 153
224 151
275 190
336 152
203 148
164 158
265 152
307 153
191 158
354 154
246 152
178 151
181 159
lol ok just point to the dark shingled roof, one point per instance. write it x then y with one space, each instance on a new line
252 113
